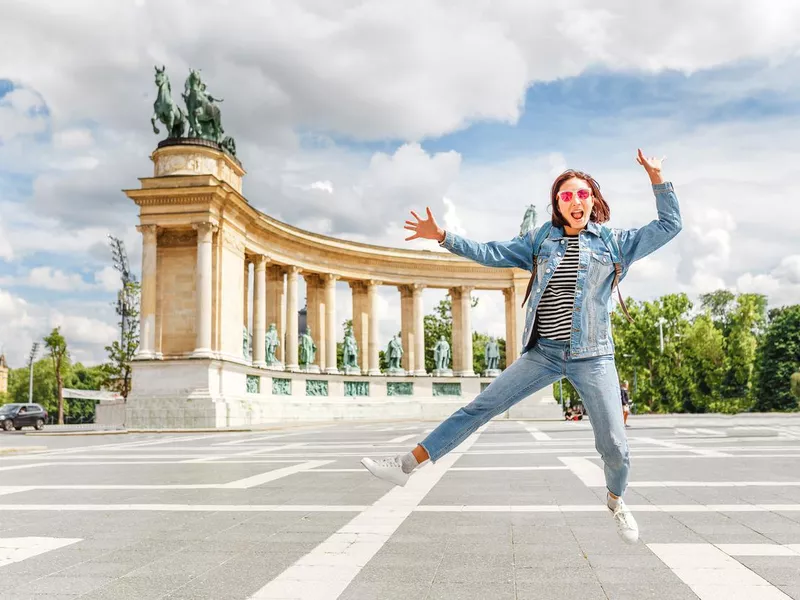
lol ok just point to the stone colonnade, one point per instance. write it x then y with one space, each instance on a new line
275 301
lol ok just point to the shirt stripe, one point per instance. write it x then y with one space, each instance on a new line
554 313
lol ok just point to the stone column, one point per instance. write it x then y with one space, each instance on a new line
372 307
361 322
419 332
291 319
407 332
147 316
315 315
246 304
259 311
457 351
203 289
466 332
515 319
329 282
276 306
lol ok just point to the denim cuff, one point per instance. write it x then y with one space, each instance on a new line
447 242
663 187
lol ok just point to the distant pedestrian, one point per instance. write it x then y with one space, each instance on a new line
626 401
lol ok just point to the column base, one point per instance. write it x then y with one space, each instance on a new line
374 372
332 371
420 373
145 355
203 353
260 364
467 374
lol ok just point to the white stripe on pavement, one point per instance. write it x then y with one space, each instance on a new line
17 549
325 572
585 470
714 575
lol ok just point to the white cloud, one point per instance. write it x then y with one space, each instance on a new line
22 323
782 284
54 279
73 138
20 114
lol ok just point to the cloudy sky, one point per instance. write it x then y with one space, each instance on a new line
347 113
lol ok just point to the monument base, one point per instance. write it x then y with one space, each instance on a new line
443 372
396 372
213 393
348 370
276 366
309 369
491 373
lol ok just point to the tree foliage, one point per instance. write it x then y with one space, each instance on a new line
122 351
59 354
778 359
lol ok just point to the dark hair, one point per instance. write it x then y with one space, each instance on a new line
601 212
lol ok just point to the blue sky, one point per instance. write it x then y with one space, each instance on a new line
465 119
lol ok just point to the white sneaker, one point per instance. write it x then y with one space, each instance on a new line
388 469
626 524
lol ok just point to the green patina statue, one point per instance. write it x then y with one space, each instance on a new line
308 349
350 349
528 220
165 109
203 114
271 342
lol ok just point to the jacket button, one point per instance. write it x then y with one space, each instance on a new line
562 242
548 270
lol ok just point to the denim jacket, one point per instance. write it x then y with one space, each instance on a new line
591 322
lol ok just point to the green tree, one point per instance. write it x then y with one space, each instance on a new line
719 304
745 323
122 351
778 358
59 354
704 353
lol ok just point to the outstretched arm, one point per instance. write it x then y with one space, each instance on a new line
638 243
517 252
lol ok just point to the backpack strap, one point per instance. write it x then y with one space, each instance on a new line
541 235
613 247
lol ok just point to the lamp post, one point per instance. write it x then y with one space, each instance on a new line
34 349
661 321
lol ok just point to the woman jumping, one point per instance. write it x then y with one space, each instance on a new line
575 262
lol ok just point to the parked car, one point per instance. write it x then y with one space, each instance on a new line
16 416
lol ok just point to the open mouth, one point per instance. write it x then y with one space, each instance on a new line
577 215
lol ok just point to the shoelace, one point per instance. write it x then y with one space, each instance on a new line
622 515
388 462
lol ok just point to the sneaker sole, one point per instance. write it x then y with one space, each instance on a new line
369 468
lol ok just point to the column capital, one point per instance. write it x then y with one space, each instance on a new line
260 261
371 283
330 277
406 291
205 228
358 285
293 269
147 229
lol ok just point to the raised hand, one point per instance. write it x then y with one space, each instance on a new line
424 228
652 166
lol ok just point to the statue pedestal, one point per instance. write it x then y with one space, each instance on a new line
443 372
348 370
276 366
491 372
309 369
394 372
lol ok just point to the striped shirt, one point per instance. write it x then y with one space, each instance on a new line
554 313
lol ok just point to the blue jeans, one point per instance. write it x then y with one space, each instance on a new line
595 379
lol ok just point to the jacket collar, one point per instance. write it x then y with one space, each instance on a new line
557 232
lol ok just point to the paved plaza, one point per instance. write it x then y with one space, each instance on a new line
516 512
